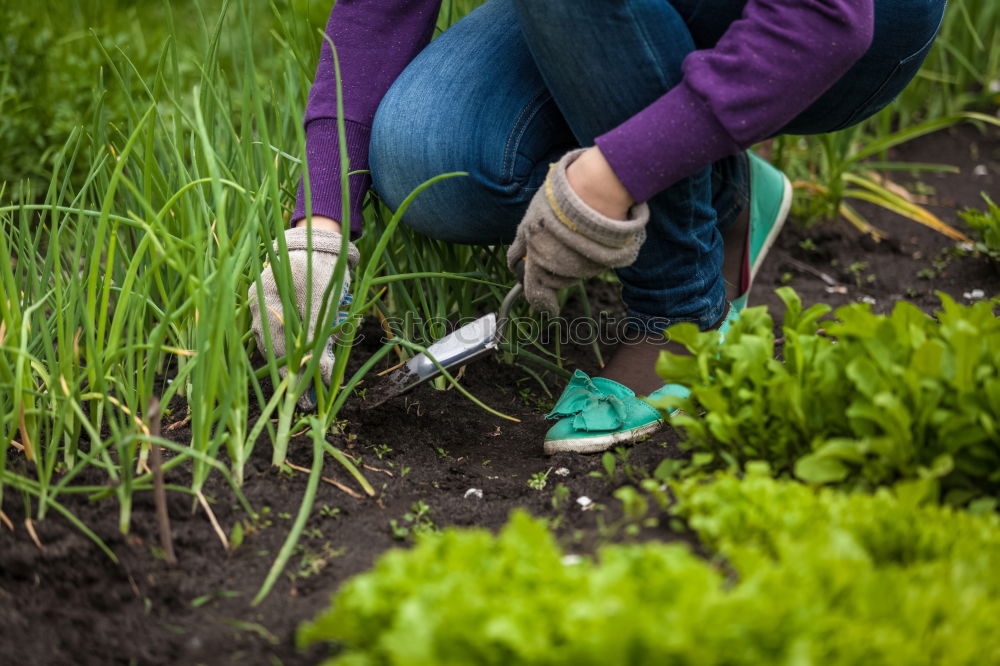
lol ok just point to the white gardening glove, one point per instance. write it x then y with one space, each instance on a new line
325 250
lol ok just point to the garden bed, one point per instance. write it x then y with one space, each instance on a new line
66 602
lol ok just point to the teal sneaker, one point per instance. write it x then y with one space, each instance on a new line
596 414
770 201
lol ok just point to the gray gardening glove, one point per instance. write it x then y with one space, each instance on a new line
562 239
325 250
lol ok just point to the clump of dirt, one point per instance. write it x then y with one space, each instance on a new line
396 383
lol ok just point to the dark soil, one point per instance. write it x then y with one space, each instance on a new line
914 262
67 603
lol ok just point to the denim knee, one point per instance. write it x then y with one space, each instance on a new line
405 153
417 134
392 145
473 101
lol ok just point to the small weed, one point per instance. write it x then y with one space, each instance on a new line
381 450
635 506
313 561
808 245
538 480
533 400
560 497
610 462
330 511
986 225
857 273
251 526
236 535
416 521
608 467
206 598
937 267
442 452
669 469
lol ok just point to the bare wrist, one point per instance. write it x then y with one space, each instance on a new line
320 222
596 183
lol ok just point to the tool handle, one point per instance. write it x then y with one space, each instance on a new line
508 301
518 269
504 315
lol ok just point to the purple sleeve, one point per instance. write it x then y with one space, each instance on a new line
765 70
375 40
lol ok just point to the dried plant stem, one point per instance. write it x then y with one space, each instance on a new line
212 519
177 425
159 492
31 532
332 482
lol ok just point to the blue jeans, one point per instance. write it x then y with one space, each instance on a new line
517 83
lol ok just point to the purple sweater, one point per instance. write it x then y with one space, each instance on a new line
765 70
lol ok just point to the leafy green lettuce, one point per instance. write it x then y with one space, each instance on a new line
798 577
862 400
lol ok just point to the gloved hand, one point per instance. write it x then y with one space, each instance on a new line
562 239
325 250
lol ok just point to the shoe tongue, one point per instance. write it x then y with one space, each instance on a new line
611 387
670 389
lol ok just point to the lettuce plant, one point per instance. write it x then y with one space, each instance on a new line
986 226
797 576
862 400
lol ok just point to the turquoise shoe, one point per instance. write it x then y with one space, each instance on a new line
595 414
770 201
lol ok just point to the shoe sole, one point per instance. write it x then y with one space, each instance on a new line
772 235
602 443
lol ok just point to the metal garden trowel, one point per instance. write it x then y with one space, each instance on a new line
472 341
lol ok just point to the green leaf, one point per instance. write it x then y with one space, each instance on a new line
608 462
677 368
865 376
941 467
685 333
793 305
669 468
916 492
984 506
808 577
820 469
702 459
236 535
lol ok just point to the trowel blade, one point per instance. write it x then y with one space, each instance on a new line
457 348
